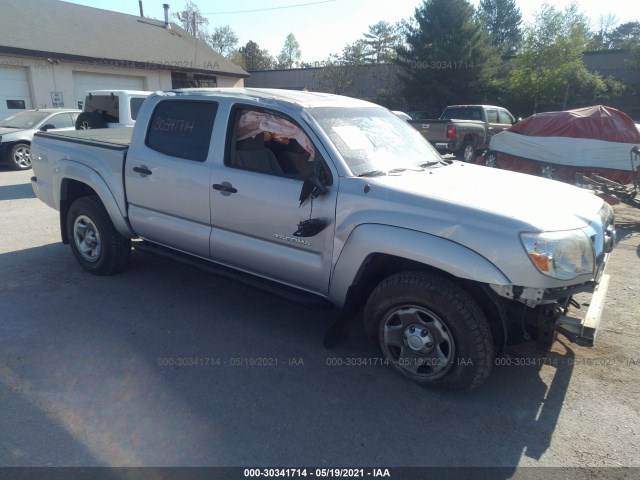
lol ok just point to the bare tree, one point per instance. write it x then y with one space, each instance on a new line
191 20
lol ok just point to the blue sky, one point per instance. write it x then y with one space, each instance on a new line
325 27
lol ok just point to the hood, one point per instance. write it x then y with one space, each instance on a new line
7 131
533 203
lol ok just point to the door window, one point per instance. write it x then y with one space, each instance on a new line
62 120
269 143
182 128
505 117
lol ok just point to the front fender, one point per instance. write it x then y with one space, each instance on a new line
70 170
430 250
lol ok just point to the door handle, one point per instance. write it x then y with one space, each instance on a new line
224 187
143 170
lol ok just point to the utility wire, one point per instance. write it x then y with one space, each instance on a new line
271 8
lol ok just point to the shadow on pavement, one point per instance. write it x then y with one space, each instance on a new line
164 365
16 192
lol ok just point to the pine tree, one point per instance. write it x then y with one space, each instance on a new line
447 58
502 20
252 57
381 41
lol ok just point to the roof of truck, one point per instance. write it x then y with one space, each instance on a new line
298 97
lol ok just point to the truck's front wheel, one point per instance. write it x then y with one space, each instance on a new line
430 330
95 242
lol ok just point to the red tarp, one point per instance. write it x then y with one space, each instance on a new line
597 122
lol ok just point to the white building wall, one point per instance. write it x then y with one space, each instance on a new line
46 77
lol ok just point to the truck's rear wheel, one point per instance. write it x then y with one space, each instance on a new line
430 330
95 242
468 151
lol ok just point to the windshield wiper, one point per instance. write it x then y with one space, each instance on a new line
431 164
404 169
373 173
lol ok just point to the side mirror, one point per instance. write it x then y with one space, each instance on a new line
48 126
312 187
517 120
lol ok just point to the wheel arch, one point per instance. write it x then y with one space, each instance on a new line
375 252
379 266
79 181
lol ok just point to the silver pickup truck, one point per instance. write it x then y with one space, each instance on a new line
327 199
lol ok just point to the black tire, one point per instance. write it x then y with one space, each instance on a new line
468 152
19 156
96 244
491 159
430 330
89 121
548 171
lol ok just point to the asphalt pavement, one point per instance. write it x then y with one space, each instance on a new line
165 365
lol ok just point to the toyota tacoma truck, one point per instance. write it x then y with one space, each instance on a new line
465 130
326 199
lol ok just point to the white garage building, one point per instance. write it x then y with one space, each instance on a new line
52 52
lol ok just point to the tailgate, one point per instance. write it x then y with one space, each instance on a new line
432 130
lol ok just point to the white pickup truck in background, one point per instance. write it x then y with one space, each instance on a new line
110 108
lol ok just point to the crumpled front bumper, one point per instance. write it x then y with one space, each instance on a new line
583 331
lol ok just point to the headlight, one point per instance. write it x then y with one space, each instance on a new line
562 255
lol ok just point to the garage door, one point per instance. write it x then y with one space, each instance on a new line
82 82
14 90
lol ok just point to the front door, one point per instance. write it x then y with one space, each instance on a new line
255 205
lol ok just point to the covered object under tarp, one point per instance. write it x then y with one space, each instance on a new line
560 145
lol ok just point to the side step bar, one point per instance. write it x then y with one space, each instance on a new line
282 291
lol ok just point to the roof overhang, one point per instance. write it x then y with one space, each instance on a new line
116 63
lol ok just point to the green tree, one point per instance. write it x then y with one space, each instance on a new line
447 57
380 42
252 57
290 54
355 53
336 76
501 20
549 73
191 20
223 40
626 35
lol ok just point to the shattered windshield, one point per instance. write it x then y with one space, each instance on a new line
373 141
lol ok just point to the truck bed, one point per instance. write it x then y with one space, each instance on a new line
112 138
100 152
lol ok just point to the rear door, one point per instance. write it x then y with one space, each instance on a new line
255 207
505 119
167 178
493 124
